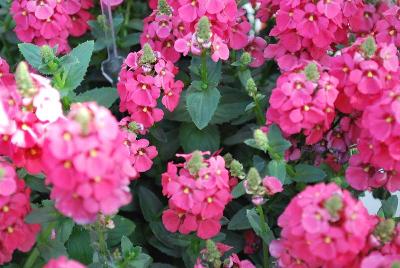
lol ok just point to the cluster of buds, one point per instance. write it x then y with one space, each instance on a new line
259 188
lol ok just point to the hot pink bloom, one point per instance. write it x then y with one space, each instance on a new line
8 179
306 30
323 226
175 34
63 262
256 49
272 185
13 210
197 197
27 116
39 21
94 174
299 105
141 85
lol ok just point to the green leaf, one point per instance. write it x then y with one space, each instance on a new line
77 72
78 246
131 40
232 104
31 54
52 249
141 261
202 105
64 229
277 168
168 238
192 138
254 220
239 190
126 245
308 174
104 96
169 250
123 226
42 215
213 71
36 184
389 206
276 141
149 203
239 221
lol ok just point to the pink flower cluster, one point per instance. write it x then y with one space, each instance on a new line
141 153
87 163
25 111
302 104
198 191
307 30
368 77
174 33
14 206
142 83
323 226
63 262
51 22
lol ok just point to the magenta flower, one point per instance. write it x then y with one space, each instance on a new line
319 228
94 175
272 185
63 262
197 198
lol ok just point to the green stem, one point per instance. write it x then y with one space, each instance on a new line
203 70
259 114
32 258
102 241
260 211
128 13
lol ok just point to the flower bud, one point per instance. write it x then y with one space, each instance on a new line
245 59
228 159
148 57
83 117
24 80
251 87
385 230
236 169
253 181
47 54
311 72
195 163
257 200
261 139
164 8
213 254
334 205
203 30
369 47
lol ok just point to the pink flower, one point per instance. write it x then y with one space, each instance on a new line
39 21
63 262
94 175
196 204
256 49
8 179
272 185
220 50
319 228
141 85
142 155
13 210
